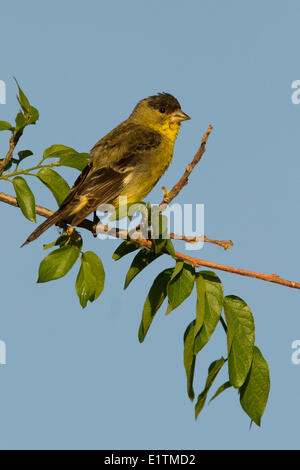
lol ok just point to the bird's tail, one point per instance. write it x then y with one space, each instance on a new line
52 220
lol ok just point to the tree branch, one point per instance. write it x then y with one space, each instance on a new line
12 144
196 262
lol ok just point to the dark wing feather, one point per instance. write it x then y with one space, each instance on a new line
75 188
102 187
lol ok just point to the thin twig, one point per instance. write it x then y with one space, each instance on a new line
226 244
12 144
170 195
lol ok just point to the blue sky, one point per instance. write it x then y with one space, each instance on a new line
79 378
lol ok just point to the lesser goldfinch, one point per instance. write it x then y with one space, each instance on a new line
128 161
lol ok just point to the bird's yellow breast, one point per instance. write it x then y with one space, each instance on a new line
145 176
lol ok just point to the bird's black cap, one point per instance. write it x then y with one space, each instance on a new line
164 100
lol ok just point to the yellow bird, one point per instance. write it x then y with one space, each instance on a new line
128 161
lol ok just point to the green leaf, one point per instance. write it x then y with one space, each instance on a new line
5 126
154 300
221 389
209 307
56 151
180 287
90 279
24 154
58 263
22 98
124 249
55 183
25 198
213 371
78 160
255 391
67 156
140 261
30 114
20 121
189 358
240 339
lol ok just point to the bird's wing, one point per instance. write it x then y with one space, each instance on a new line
104 178
125 140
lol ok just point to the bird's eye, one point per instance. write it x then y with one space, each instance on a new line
162 110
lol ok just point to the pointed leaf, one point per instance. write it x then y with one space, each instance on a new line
140 261
124 249
58 263
189 358
56 151
25 198
154 300
221 389
209 306
255 391
22 98
90 279
213 371
180 287
24 154
30 114
240 339
55 183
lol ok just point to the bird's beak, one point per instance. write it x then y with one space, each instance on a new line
178 116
